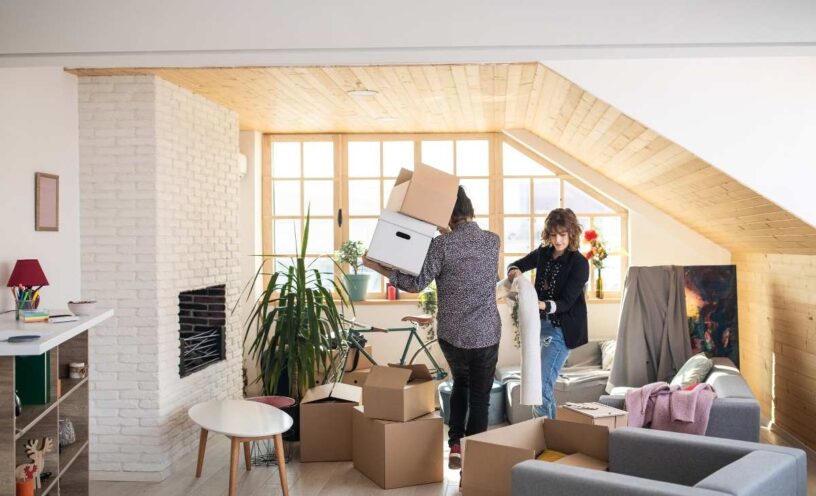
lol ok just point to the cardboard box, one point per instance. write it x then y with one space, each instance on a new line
489 457
326 424
400 242
593 413
427 194
356 377
399 393
398 454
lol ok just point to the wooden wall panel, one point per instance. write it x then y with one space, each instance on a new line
777 318
490 97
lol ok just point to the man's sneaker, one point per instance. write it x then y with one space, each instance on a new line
455 457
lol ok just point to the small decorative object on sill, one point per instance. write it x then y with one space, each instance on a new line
392 292
25 487
77 370
67 434
351 253
596 254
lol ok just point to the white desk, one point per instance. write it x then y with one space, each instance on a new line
52 335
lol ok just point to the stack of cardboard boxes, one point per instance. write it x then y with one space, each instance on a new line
397 436
420 202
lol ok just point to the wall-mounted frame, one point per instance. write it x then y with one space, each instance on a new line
46 202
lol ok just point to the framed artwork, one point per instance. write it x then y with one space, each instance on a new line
711 305
46 202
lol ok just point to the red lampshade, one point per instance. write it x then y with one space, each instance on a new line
28 273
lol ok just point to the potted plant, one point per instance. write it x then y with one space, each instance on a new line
295 324
351 253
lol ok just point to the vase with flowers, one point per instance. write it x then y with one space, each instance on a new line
596 255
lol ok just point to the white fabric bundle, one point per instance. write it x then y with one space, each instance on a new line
522 293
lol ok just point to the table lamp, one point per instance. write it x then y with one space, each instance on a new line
25 282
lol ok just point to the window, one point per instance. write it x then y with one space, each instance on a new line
351 176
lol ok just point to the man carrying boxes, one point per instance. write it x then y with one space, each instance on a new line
464 262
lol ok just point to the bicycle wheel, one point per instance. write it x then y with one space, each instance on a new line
437 372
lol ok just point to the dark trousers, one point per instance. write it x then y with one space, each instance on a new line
472 371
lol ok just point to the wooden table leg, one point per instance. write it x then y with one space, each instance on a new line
202 447
281 463
234 456
248 455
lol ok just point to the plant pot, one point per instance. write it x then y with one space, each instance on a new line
357 285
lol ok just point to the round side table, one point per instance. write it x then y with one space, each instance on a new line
243 422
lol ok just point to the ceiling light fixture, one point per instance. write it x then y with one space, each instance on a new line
360 90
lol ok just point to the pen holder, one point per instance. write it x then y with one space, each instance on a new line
27 304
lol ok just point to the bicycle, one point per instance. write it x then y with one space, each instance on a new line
356 341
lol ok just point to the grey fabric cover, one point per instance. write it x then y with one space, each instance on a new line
761 473
657 455
647 462
535 478
734 413
653 341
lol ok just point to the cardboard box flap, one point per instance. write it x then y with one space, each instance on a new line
525 435
388 377
419 371
572 437
404 175
317 393
333 391
347 392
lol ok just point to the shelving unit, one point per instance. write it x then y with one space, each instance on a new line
66 342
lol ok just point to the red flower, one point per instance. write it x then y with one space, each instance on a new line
590 235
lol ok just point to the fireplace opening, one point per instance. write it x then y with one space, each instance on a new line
202 321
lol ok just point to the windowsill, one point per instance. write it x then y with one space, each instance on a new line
381 301
591 301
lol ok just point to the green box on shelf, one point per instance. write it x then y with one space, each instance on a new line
32 379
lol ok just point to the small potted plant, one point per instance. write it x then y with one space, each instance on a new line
351 253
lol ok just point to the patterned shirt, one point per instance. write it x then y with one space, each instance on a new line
464 264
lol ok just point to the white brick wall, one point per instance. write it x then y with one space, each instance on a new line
159 210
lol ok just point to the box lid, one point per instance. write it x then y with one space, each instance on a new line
409 223
594 410
336 390
388 377
419 371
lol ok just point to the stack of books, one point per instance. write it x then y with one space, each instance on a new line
33 315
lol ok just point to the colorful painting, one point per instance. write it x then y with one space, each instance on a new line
711 305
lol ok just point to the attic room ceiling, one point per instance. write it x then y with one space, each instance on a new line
491 97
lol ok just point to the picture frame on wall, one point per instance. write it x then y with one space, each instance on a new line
46 202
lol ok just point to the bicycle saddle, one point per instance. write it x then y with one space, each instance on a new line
421 320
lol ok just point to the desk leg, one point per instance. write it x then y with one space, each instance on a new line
281 463
202 447
248 455
234 457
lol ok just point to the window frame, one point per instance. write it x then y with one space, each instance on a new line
495 179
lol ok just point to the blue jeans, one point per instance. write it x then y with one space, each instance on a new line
554 353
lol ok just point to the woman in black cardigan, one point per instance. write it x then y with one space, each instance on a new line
561 274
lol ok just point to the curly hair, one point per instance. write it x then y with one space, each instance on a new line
562 219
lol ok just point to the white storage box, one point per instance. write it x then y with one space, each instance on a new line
401 242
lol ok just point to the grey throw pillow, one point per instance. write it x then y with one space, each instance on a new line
608 354
694 371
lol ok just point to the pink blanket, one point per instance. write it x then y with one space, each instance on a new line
661 406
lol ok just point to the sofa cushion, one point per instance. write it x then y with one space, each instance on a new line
587 355
694 371
608 353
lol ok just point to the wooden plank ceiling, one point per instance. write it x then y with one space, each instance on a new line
491 97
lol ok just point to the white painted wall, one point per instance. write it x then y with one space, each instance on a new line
250 237
38 133
752 118
257 32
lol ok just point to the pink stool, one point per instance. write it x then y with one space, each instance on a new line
263 453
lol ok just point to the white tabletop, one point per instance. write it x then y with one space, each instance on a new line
51 334
240 418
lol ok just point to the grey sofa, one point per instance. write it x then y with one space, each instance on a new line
581 380
645 462
735 411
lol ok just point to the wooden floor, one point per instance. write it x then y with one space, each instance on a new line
305 479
